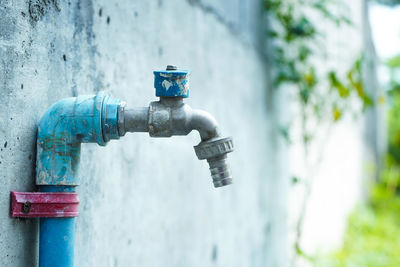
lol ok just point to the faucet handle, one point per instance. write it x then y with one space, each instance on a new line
171 82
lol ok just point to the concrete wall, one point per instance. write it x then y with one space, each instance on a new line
145 201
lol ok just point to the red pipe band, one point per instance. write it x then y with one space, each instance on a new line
44 204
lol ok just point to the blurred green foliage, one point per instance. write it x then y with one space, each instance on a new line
391 173
393 63
372 238
373 234
388 2
296 43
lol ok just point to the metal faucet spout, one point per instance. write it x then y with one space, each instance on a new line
170 116
204 123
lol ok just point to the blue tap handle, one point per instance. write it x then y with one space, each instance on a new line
171 82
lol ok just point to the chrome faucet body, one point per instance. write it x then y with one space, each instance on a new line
171 116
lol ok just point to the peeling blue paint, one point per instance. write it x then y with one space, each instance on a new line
172 83
62 129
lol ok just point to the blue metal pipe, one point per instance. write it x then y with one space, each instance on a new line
62 129
56 242
65 125
56 245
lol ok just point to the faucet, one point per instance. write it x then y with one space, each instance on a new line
99 119
171 116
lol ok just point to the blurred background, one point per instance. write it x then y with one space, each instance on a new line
308 89
338 61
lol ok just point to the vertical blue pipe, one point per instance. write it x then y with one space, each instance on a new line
61 130
56 244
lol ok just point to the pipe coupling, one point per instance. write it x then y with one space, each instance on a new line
159 120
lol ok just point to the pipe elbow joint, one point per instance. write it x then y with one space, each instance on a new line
64 126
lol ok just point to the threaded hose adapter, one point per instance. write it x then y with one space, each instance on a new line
215 152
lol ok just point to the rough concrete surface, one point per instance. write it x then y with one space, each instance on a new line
144 201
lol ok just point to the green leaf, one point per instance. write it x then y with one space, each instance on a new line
302 28
284 131
336 113
337 85
304 53
310 79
